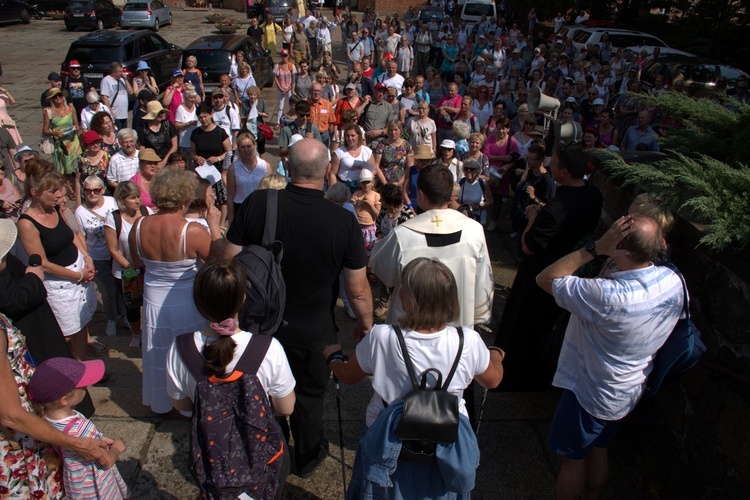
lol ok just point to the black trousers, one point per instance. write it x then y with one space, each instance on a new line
312 376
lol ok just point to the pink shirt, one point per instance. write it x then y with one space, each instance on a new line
451 103
145 197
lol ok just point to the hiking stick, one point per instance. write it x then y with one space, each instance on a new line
341 432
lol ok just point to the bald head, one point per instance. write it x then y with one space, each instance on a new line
646 240
308 160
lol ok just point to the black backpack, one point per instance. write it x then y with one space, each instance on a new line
681 351
236 444
265 290
429 416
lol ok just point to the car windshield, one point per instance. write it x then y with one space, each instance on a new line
478 9
211 60
97 54
81 5
426 16
278 3
135 6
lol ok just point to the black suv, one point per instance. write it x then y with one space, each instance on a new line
96 51
699 74
17 10
94 14
214 54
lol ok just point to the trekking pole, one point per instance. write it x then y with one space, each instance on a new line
341 432
481 410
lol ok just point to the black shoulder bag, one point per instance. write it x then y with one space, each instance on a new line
430 416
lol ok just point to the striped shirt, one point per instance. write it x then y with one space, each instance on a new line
615 329
83 478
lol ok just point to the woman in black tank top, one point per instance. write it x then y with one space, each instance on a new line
67 266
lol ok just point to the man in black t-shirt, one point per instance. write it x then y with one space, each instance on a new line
320 240
77 86
552 231
55 82
254 30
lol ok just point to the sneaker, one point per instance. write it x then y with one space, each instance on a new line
124 323
491 226
135 341
350 312
111 328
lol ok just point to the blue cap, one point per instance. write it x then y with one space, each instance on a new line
177 72
143 65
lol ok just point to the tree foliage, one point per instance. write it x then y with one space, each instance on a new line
710 191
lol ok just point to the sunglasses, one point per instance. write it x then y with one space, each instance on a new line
92 191
304 115
469 169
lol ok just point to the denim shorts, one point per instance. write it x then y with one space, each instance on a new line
574 431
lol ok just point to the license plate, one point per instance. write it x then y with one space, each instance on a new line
209 90
77 15
93 75
135 22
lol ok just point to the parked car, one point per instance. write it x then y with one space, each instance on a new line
278 9
567 31
94 14
427 13
665 51
96 51
473 10
46 6
17 10
151 14
699 74
214 55
618 37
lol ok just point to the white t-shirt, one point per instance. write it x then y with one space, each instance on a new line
122 241
351 166
87 114
182 115
274 373
92 225
228 119
109 87
396 81
379 353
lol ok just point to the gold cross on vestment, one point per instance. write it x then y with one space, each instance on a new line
436 221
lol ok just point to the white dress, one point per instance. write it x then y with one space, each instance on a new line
168 311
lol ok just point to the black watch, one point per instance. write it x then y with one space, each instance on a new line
591 248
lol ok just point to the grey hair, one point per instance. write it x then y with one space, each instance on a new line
127 133
461 130
93 181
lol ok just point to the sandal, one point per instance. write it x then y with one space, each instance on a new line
135 341
97 347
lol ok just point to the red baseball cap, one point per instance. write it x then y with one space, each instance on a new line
74 64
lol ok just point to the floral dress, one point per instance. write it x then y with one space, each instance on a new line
86 169
393 159
67 147
24 472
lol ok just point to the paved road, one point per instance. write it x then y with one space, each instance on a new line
515 461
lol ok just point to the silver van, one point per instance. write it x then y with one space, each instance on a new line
473 10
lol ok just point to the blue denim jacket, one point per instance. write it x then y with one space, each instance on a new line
378 474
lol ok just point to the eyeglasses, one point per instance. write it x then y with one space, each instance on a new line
92 191
218 97
303 115
469 169
593 94
57 95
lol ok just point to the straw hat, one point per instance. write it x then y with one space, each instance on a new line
52 93
148 154
423 152
153 109
8 233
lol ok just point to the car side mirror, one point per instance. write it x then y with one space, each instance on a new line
268 52
172 46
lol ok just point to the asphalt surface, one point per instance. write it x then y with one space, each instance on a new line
515 461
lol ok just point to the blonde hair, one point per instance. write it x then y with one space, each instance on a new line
431 295
273 181
649 205
124 190
173 188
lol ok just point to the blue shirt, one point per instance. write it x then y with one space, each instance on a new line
616 327
633 137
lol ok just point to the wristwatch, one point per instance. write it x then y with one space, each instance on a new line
591 248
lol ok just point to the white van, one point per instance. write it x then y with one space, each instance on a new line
473 10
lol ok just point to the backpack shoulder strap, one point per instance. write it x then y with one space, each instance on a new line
407 359
254 354
272 216
190 356
448 379
117 216
143 210
686 301
481 185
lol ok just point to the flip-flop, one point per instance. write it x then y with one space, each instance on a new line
96 346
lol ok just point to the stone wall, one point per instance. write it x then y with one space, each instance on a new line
388 7
699 428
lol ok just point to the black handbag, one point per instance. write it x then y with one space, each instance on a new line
429 416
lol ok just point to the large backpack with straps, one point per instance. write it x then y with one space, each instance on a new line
265 290
236 444
682 350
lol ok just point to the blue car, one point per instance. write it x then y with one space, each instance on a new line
152 14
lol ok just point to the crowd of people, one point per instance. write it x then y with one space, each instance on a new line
428 142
